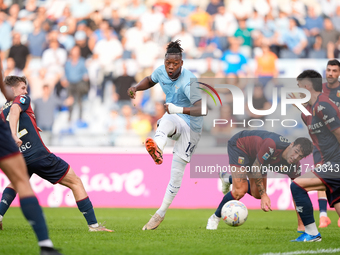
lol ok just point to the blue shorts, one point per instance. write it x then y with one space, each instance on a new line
50 168
8 147
330 176
237 157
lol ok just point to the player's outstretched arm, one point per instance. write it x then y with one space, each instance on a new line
195 110
257 176
14 115
144 84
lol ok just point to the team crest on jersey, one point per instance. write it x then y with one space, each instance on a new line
241 160
338 93
271 150
320 108
176 88
22 100
266 156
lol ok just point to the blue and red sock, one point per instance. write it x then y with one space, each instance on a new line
7 198
228 197
33 213
322 205
86 208
303 204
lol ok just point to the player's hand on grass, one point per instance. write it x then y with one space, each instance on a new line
132 92
265 203
17 141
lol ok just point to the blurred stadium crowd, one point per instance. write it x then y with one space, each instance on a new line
80 56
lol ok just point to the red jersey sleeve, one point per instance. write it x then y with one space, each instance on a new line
23 101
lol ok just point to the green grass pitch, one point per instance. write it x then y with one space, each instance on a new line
182 232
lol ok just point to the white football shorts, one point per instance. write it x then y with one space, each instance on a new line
186 139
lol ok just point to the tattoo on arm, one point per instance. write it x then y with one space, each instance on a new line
257 175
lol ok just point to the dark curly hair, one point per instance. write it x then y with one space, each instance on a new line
305 145
174 48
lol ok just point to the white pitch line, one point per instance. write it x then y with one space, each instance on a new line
318 251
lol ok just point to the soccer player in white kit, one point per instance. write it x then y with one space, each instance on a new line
182 121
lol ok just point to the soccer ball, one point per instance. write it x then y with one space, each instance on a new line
234 213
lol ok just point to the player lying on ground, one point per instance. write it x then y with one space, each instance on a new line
324 128
13 165
182 121
257 149
39 159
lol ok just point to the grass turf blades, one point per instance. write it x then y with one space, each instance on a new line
182 232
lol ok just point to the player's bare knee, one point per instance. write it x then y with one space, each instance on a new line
71 181
238 193
76 181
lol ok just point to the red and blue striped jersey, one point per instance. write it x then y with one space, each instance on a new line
266 146
325 118
333 94
32 148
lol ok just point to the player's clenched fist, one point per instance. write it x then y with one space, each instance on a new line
132 92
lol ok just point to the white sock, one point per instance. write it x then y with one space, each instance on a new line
165 205
311 229
177 172
1 217
166 128
45 243
95 225
323 214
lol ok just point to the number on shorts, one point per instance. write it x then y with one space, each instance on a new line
190 149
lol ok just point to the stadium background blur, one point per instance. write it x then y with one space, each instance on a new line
80 57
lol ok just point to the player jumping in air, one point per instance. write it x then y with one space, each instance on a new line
39 159
13 165
256 149
324 128
182 121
